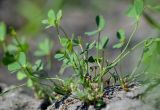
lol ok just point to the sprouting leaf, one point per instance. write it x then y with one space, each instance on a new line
136 9
51 15
121 37
132 12
22 59
53 19
100 26
138 6
21 75
59 16
2 31
14 67
100 22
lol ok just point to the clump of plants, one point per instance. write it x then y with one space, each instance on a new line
15 59
92 73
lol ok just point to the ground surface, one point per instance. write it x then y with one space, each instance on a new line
120 100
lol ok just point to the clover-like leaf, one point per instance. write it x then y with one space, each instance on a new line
121 37
100 22
136 9
53 19
100 26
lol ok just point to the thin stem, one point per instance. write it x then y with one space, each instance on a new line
103 58
63 31
14 87
139 62
57 31
18 42
133 48
99 34
87 61
80 45
131 36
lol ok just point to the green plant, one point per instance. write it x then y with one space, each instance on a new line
74 54
92 73
16 60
